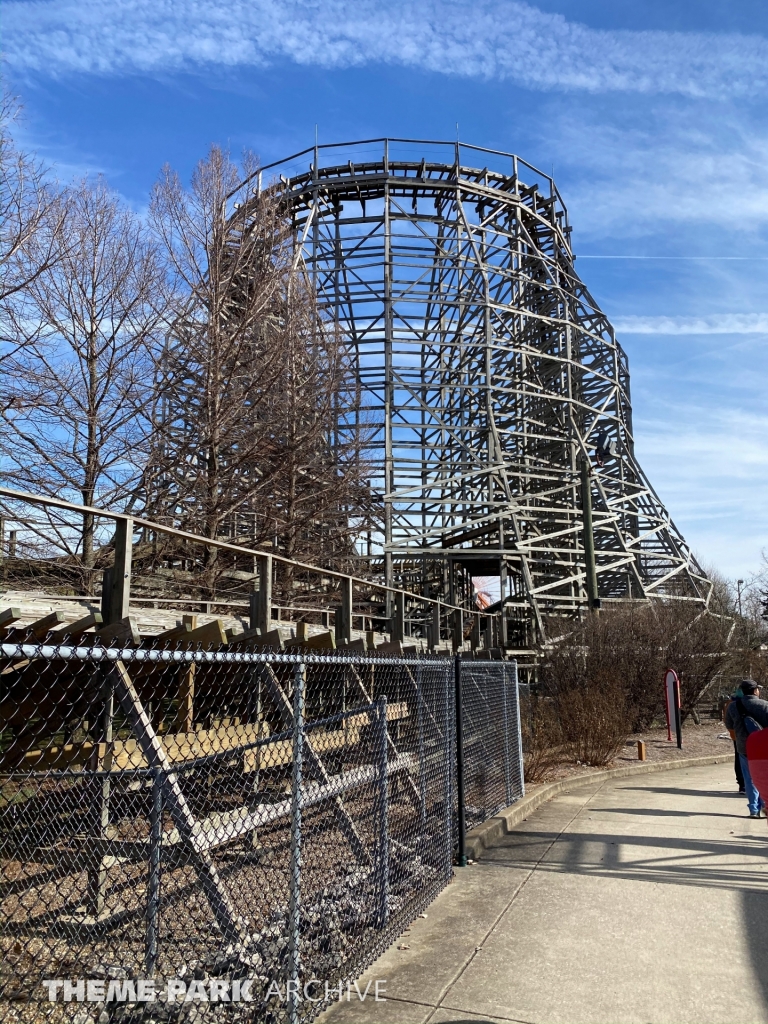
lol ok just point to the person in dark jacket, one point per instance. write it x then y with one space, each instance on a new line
744 715
736 759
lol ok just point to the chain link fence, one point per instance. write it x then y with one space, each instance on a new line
492 745
234 834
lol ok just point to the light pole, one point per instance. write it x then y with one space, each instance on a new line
739 585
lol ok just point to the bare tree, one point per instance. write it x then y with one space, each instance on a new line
75 420
227 279
313 475
31 216
253 378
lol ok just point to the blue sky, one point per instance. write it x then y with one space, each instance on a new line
654 116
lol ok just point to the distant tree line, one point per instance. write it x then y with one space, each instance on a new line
176 365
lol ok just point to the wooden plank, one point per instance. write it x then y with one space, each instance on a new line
185 746
210 635
391 647
41 627
120 582
235 636
183 818
125 631
318 642
9 616
256 641
224 828
75 629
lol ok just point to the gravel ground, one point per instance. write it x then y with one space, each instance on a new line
698 741
703 740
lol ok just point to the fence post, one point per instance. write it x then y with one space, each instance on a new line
102 735
507 752
153 875
422 758
397 627
448 737
106 595
343 617
121 573
383 844
435 627
520 760
457 629
294 880
261 599
461 857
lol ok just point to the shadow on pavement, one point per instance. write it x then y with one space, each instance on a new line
677 791
709 863
755 912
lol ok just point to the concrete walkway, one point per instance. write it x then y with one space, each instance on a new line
642 900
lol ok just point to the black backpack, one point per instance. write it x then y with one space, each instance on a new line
749 723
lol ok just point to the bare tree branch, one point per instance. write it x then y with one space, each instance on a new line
79 389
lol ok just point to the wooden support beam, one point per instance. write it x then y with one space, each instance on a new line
318 642
121 570
367 696
8 617
212 634
224 828
106 594
397 628
41 627
185 746
434 632
101 761
315 764
391 647
343 616
190 833
74 630
593 600
253 640
124 631
261 599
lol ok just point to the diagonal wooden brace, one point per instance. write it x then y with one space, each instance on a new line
189 828
315 765
411 786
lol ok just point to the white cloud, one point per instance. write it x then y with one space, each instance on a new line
677 164
720 323
505 39
709 464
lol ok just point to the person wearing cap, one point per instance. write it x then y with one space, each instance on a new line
736 759
744 715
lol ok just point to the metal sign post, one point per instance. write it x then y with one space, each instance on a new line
672 705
